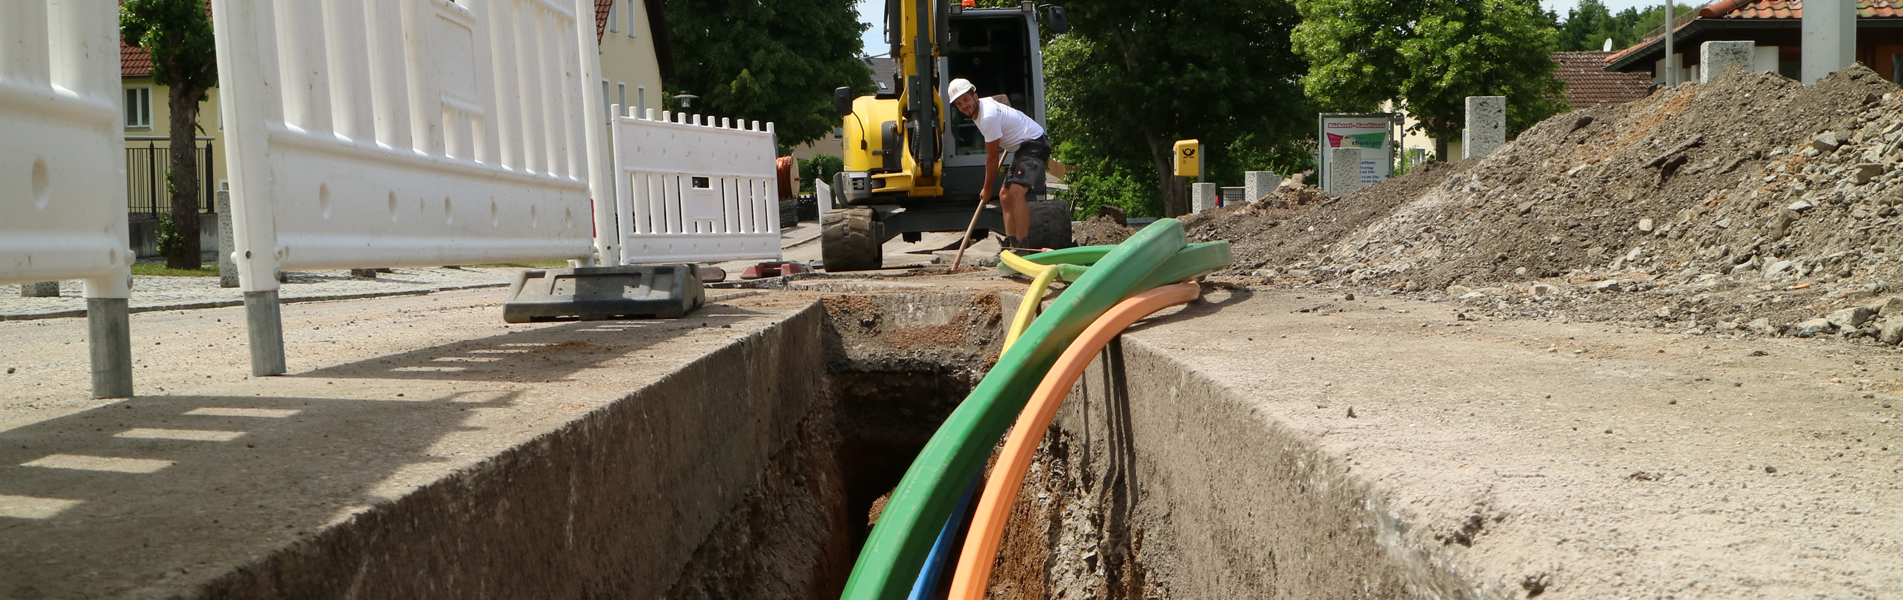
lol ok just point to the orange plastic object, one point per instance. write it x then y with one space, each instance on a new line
1001 489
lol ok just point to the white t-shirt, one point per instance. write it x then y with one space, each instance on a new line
1005 125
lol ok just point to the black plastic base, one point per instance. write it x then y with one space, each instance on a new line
598 293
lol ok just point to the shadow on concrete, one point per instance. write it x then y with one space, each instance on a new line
1202 307
550 352
110 502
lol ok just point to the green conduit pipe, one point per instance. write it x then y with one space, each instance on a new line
1194 261
897 547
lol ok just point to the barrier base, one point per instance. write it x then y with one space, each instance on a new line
265 326
595 293
109 337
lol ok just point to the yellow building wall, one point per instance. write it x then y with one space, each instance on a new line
628 61
161 126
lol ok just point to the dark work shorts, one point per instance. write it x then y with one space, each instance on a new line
1027 162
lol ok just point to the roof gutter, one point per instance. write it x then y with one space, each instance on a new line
1651 51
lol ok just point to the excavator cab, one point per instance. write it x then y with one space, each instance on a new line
913 162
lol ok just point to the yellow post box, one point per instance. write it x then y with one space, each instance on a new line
1189 158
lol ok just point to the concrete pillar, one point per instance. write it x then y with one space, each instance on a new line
1256 184
1830 37
1713 57
227 270
1344 170
1486 126
1202 196
43 289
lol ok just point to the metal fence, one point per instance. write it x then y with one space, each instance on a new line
146 168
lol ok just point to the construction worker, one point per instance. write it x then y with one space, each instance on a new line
1006 129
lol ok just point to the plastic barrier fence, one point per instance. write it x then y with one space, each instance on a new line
381 133
688 191
62 166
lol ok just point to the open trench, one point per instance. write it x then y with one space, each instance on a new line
755 470
895 367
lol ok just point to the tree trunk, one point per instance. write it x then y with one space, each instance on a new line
1440 149
1175 198
185 184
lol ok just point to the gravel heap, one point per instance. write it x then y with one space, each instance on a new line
1750 205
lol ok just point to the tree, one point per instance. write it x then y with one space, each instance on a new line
821 167
1586 27
773 61
1133 76
1430 55
178 35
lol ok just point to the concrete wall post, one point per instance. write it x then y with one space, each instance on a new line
1830 37
227 270
1486 126
43 289
1256 184
1713 57
1202 196
1344 170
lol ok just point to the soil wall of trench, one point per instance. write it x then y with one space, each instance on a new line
757 471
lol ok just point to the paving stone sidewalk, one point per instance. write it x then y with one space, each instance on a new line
167 293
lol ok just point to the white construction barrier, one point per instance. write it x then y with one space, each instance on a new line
692 192
379 133
62 166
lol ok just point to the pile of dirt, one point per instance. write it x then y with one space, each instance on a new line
1101 230
1298 223
1748 205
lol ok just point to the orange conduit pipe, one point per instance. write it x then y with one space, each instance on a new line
1001 489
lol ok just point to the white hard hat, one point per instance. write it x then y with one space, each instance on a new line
960 87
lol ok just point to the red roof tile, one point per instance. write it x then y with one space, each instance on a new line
1793 9
134 61
1589 84
601 17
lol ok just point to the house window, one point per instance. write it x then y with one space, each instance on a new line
607 101
614 24
139 108
630 18
641 100
621 95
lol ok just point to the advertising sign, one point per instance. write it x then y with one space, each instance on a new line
1369 132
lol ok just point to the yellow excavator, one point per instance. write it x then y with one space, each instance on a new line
913 163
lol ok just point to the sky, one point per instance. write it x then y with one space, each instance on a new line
874 37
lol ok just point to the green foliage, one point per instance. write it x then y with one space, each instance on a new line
773 62
1653 19
164 271
1589 25
170 242
1134 76
178 34
1094 181
819 168
1430 55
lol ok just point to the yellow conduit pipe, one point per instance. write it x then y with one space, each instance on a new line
973 574
1042 275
